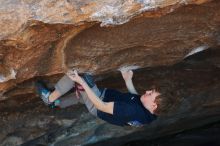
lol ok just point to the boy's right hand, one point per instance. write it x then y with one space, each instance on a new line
73 75
127 75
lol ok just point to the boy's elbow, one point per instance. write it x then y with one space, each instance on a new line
108 107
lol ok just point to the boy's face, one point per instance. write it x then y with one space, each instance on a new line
148 100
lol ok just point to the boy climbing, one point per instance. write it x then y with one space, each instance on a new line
107 104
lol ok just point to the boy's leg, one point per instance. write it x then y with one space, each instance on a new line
69 100
54 96
63 86
100 93
90 106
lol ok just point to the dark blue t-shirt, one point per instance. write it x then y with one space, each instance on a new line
128 109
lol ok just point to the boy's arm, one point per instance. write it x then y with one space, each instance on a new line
130 86
127 76
98 103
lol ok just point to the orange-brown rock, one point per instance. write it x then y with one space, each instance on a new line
47 37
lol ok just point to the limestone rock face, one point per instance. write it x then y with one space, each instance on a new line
15 14
45 38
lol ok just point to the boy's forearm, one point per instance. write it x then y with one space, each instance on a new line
130 86
99 104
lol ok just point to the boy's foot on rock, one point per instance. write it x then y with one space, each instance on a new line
43 92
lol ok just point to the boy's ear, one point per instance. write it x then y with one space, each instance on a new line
154 106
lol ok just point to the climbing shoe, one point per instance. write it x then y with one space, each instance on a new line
43 92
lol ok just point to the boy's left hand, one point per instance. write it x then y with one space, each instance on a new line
127 75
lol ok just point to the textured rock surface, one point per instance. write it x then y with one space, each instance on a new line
43 39
47 37
16 13
193 84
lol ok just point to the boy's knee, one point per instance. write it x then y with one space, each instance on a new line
89 80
